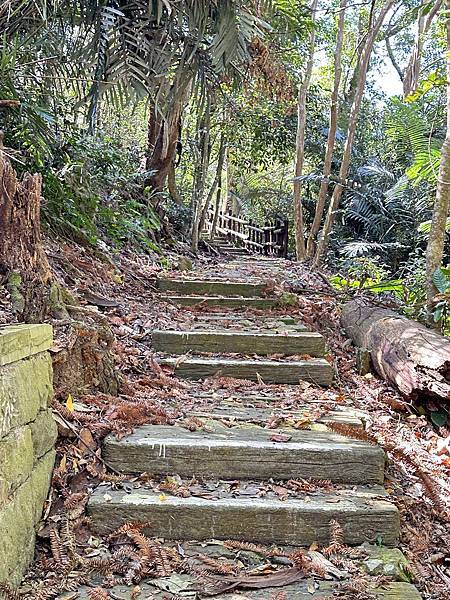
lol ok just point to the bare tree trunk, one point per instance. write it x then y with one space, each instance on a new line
331 133
300 247
363 62
215 183
349 94
204 151
172 185
163 135
164 128
218 194
435 246
412 71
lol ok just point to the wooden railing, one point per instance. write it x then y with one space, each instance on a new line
270 240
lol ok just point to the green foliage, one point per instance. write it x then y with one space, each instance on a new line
414 135
96 190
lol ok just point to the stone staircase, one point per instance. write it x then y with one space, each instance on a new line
230 460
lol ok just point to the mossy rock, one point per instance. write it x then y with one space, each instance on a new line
390 562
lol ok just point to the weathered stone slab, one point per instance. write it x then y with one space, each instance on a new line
230 302
180 342
297 591
21 341
16 459
44 432
315 370
246 453
25 388
205 287
301 522
18 520
244 412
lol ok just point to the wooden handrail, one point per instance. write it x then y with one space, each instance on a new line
270 240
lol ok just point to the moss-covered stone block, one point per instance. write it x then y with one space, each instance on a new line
18 520
22 341
44 432
16 458
25 388
390 562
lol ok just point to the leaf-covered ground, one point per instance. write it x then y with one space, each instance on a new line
71 559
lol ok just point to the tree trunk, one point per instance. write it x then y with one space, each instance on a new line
300 143
24 267
217 181
204 151
363 63
172 185
412 71
435 246
220 186
334 109
414 359
163 136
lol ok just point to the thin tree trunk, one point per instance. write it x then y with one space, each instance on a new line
300 247
363 61
412 71
215 183
172 185
204 151
435 246
334 109
219 195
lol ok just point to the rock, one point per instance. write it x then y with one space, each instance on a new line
288 299
392 560
373 566
184 264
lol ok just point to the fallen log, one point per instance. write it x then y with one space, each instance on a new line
416 360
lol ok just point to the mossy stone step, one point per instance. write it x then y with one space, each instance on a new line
245 453
314 370
289 343
205 287
225 302
296 522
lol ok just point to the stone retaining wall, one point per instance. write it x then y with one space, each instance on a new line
27 436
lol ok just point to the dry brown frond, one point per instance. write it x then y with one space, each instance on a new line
98 593
217 566
249 547
8 592
351 432
336 533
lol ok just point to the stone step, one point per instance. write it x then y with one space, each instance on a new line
206 287
301 590
225 302
295 522
180 342
314 370
257 410
245 453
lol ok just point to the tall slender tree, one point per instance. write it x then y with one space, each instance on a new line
374 26
435 246
331 138
300 247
